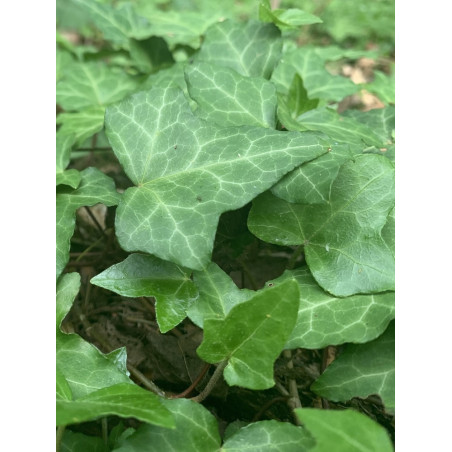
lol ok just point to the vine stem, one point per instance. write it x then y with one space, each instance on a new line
146 382
294 401
212 382
59 436
194 384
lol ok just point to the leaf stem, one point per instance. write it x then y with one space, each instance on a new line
212 382
194 384
59 436
295 401
146 382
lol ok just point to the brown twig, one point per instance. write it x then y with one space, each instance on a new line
194 384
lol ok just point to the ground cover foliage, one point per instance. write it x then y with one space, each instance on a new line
225 225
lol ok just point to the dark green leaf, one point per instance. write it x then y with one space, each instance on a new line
78 442
252 335
147 276
188 172
362 370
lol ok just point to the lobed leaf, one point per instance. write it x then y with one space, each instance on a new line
95 187
344 431
189 172
342 240
124 399
251 49
196 431
324 319
252 335
269 436
362 370
227 98
147 276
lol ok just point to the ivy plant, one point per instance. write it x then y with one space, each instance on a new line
245 208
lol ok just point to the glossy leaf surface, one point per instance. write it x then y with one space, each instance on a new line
142 275
362 370
252 335
342 240
188 172
344 431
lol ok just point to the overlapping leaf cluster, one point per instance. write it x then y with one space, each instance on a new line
206 114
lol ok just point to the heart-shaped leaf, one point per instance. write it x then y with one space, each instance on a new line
324 319
95 187
362 370
188 172
147 276
342 240
268 318
344 431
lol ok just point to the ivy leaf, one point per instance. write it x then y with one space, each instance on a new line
251 49
93 84
324 319
188 172
124 400
196 431
83 366
147 276
95 187
383 86
268 318
63 390
78 442
269 436
286 19
82 124
310 66
342 240
151 54
218 294
230 99
344 431
362 370
71 177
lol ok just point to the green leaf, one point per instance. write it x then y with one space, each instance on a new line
218 294
344 431
362 370
82 124
63 390
64 143
147 276
342 240
124 400
298 101
117 24
252 335
230 99
251 49
269 436
78 442
93 84
383 86
310 66
196 431
286 19
150 55
327 320
189 172
83 366
95 187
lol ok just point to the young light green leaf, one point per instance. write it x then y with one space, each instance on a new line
268 318
344 431
142 275
269 436
230 99
82 365
82 124
218 294
310 66
95 187
286 19
188 172
343 245
196 431
93 85
324 319
116 24
64 143
251 49
78 442
362 370
123 400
